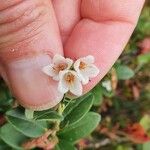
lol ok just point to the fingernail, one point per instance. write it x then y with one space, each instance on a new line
32 88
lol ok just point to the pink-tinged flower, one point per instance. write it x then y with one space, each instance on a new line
70 82
59 63
86 69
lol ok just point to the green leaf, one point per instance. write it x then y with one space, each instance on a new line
30 128
98 95
79 111
4 146
74 103
81 128
124 72
12 137
144 59
123 147
47 115
64 145
146 146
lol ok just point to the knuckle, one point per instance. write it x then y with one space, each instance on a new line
26 17
6 3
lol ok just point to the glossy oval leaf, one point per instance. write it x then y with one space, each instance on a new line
64 145
81 128
4 146
80 110
74 103
98 95
30 128
12 137
47 115
124 72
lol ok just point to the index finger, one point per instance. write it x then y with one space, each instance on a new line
103 32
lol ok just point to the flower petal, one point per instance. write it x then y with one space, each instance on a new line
62 85
56 77
49 70
91 71
69 63
76 65
85 80
76 88
88 59
57 59
62 74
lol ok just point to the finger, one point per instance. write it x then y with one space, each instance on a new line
29 37
103 32
68 15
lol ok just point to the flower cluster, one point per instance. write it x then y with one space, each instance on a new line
71 75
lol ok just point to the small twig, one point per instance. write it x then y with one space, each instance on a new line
2 119
49 139
42 142
102 143
105 142
29 113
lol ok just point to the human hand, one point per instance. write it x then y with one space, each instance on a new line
33 31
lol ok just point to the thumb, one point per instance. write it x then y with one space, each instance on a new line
29 37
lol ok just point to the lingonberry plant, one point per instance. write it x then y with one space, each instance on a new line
57 128
62 126
123 102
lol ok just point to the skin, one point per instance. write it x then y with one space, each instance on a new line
33 31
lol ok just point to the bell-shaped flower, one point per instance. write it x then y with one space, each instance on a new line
59 63
86 69
70 82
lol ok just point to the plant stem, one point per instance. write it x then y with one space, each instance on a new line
60 110
29 113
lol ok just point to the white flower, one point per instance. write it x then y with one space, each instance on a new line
59 63
69 81
107 85
86 69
